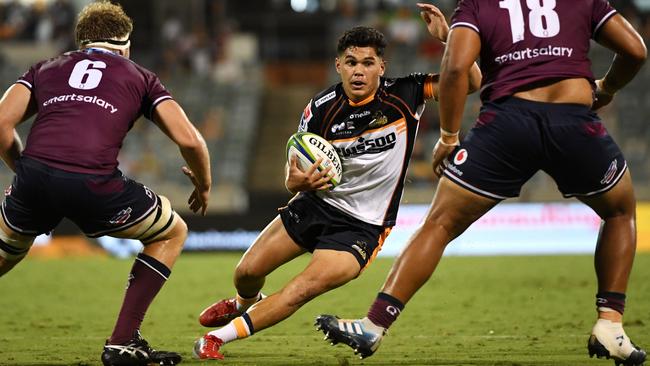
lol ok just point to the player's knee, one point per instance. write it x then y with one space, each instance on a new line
162 224
179 231
619 202
439 219
246 271
181 228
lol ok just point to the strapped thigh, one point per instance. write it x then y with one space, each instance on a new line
154 227
13 245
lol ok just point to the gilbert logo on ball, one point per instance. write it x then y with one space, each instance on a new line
308 147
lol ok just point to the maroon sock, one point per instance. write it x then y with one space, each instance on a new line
612 300
147 277
385 310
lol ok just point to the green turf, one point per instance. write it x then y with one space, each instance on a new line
474 311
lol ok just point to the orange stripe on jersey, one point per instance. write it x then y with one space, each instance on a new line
428 87
398 124
380 243
240 327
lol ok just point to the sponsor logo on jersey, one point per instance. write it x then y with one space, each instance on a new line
8 190
305 118
359 115
324 99
378 120
610 173
338 127
460 157
82 98
121 217
369 145
343 128
389 83
530 53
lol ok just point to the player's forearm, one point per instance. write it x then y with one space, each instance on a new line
198 160
11 148
475 78
622 71
619 35
453 89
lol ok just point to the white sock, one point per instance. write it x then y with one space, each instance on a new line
369 325
236 329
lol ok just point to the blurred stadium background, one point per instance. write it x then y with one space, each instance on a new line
244 70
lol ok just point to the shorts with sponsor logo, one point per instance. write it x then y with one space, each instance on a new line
514 138
314 224
40 196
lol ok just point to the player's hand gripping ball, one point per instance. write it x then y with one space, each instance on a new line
308 147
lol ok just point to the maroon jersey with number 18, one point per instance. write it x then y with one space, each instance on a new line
87 101
524 42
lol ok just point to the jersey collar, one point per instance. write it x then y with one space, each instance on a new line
369 99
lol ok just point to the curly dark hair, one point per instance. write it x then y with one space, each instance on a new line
362 37
101 20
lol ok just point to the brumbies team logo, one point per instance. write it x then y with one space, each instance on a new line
378 120
461 156
362 248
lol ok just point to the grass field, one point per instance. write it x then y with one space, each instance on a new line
475 311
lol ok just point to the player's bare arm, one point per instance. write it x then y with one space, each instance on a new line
171 119
618 35
439 29
310 180
463 48
16 106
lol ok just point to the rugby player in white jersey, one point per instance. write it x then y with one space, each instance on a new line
372 121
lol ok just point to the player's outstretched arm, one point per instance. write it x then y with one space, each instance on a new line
172 120
618 35
439 29
16 106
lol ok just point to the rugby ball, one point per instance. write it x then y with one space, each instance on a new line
308 147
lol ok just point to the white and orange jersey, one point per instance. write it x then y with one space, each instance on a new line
374 139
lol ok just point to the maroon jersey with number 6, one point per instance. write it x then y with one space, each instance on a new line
87 101
528 41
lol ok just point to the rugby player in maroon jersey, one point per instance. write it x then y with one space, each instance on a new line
85 102
537 114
